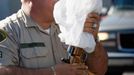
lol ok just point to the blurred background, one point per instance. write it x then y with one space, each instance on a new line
117 35
116 32
8 7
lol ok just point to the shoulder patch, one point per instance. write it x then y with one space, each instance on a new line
3 35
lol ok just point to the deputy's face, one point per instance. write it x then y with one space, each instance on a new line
44 7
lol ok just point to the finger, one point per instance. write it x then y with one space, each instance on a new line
91 20
90 30
83 72
94 15
80 69
91 25
80 66
80 72
88 25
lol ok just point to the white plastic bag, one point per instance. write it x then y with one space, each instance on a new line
70 15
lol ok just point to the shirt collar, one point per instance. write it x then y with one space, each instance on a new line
28 20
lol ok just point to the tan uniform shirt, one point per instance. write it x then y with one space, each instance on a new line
27 45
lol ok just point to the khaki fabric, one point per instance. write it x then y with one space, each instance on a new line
28 46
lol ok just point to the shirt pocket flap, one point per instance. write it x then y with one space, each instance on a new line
34 52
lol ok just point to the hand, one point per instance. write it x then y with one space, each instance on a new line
92 24
71 69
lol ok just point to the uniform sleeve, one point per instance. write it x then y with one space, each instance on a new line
8 48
